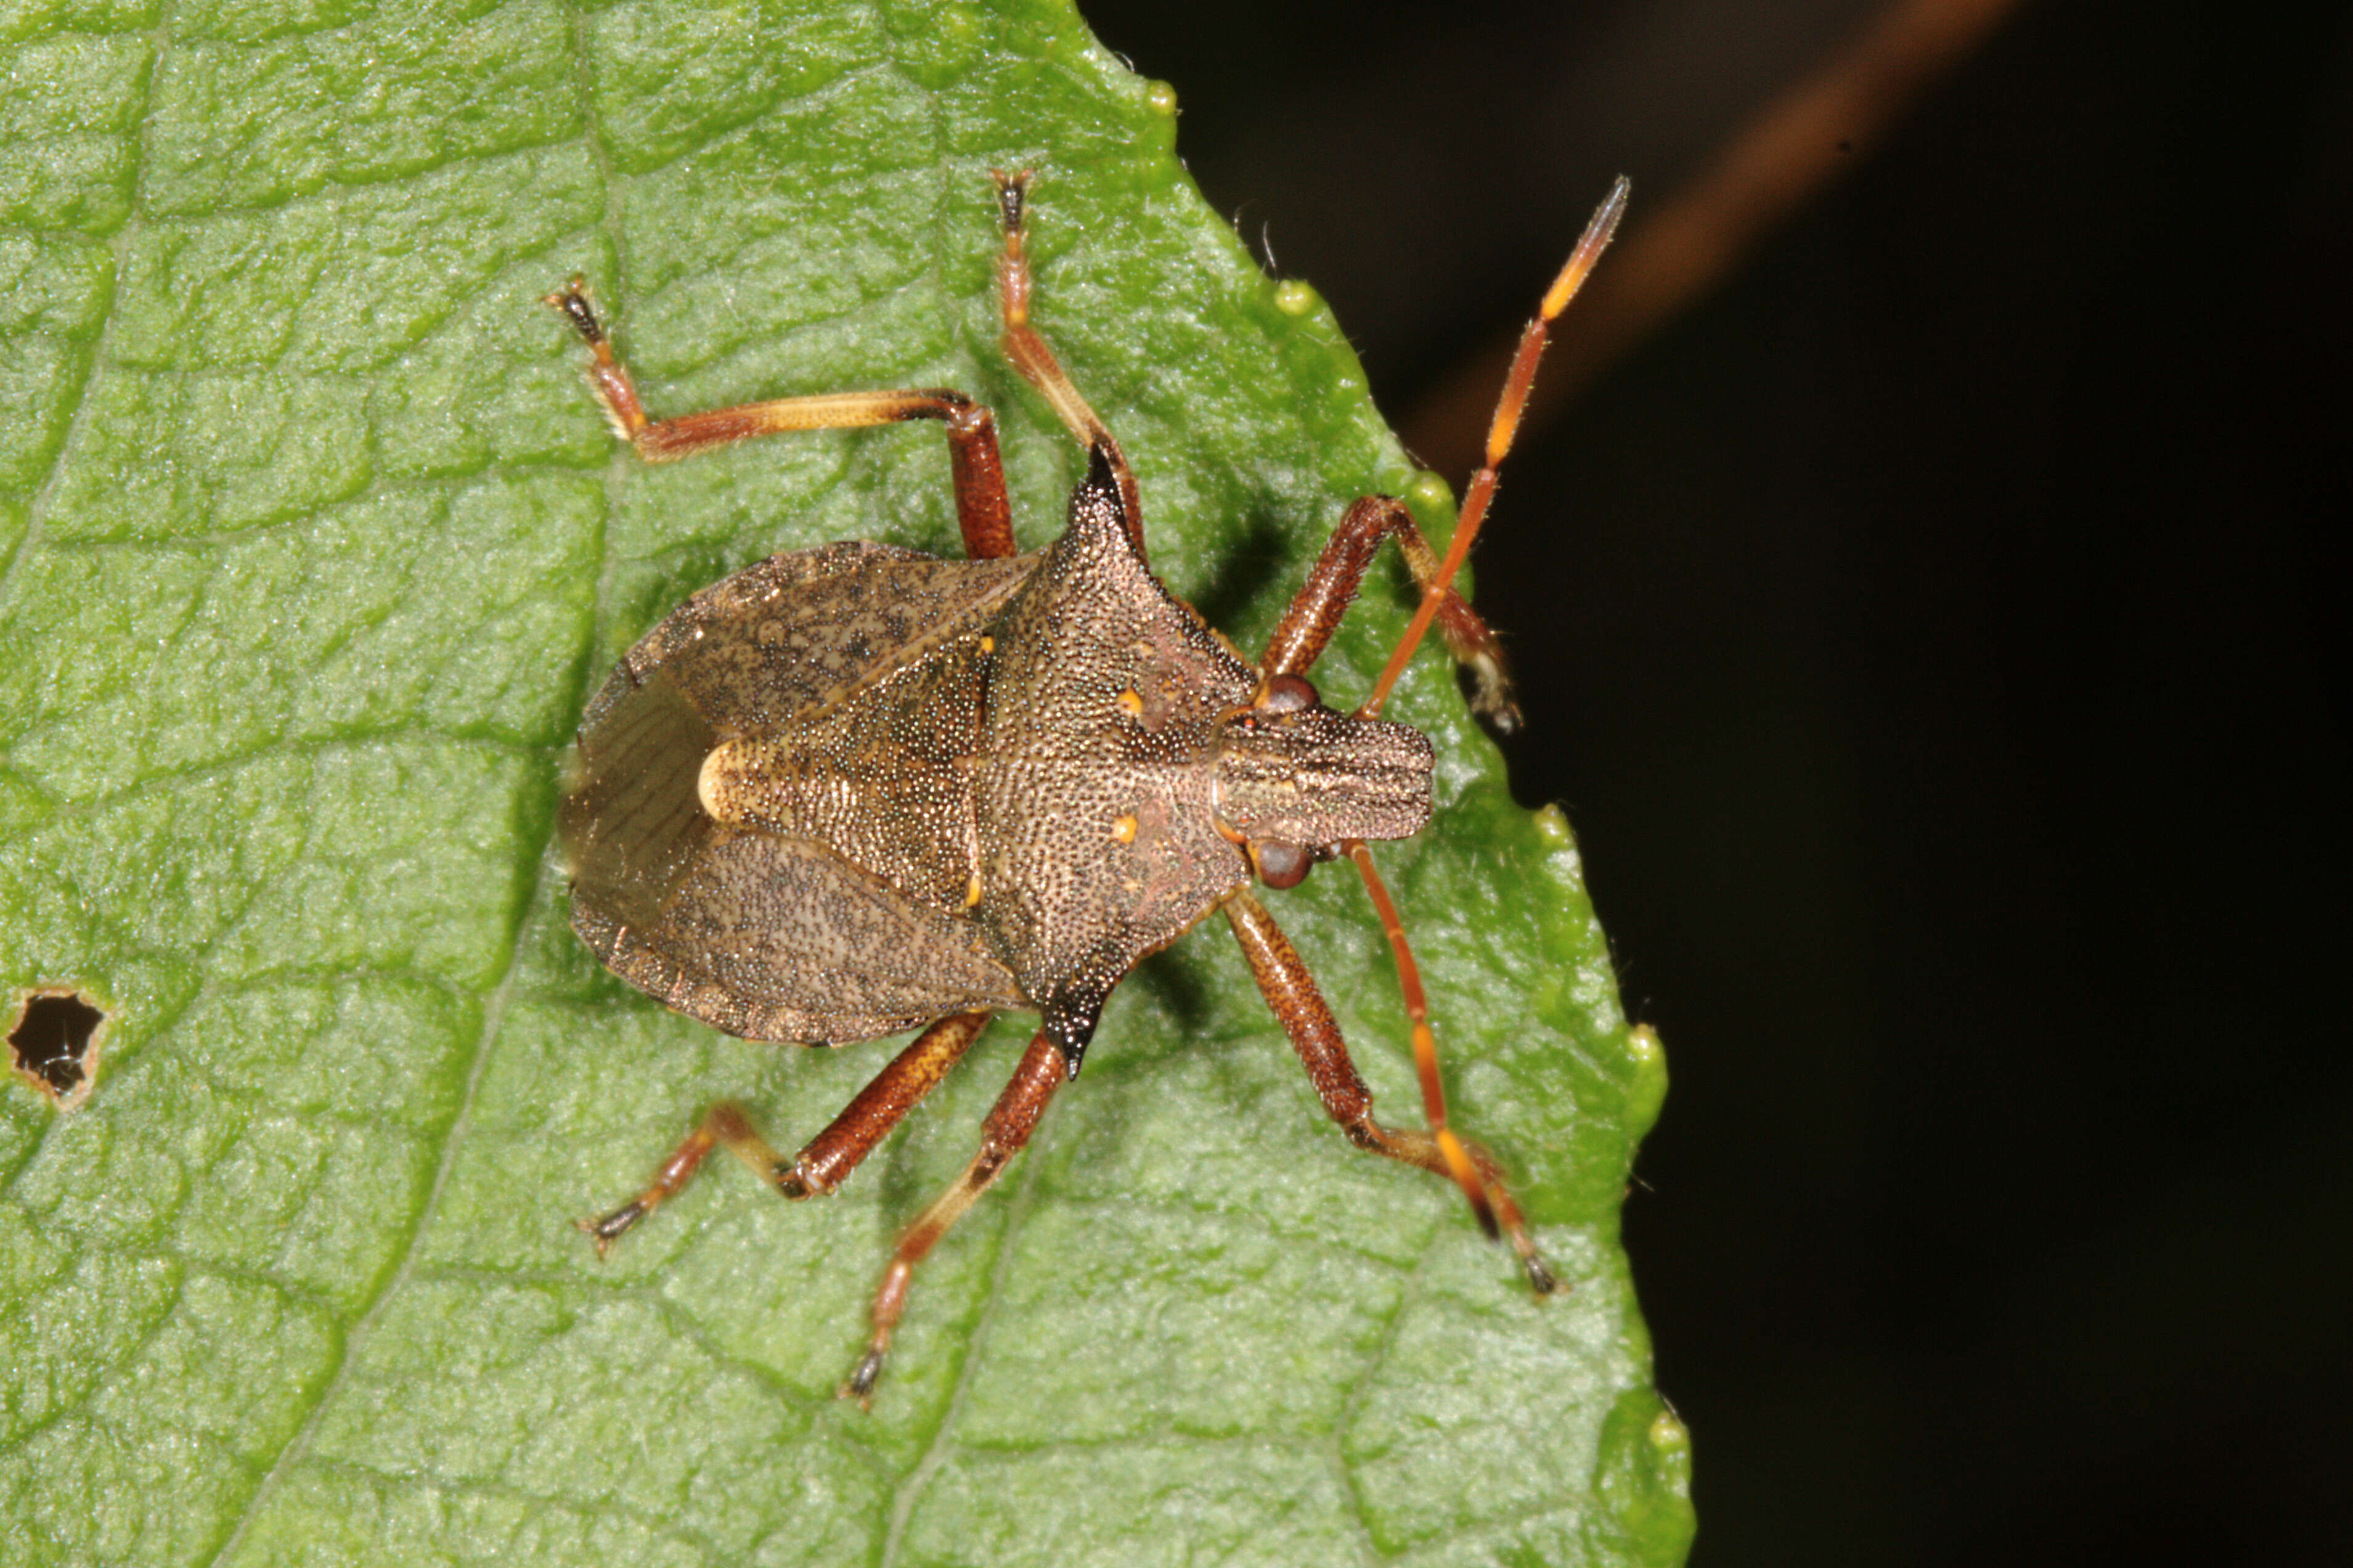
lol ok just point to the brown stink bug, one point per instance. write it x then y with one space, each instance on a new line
856 790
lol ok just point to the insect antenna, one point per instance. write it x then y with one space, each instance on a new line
1473 1169
1424 1044
1501 431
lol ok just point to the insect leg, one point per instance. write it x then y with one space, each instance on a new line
1036 362
1501 431
1290 990
1007 1129
983 511
827 1160
1314 611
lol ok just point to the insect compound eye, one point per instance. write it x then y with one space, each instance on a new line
1287 695
1280 865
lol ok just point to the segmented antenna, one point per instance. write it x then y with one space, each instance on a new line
1501 431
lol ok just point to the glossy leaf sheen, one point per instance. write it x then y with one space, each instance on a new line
313 546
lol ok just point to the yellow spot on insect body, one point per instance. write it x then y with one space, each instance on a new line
989 644
971 891
1123 830
708 782
1130 702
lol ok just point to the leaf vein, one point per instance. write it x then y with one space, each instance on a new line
297 1449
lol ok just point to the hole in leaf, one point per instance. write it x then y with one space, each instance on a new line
54 1042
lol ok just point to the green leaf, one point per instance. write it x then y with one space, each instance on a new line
314 544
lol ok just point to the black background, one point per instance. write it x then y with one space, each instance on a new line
1937 636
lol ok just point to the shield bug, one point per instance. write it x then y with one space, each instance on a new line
856 790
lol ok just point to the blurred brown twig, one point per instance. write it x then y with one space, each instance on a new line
1679 249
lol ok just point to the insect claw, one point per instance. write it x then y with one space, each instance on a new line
602 1229
860 1386
571 302
589 1229
1490 692
1541 1279
1012 191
